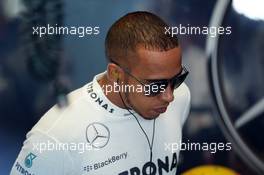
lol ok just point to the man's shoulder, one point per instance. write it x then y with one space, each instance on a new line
58 121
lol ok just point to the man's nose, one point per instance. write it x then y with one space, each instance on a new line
167 95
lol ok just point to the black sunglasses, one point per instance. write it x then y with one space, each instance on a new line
158 86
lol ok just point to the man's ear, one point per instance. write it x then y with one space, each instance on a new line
113 72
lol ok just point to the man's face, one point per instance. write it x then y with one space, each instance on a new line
153 65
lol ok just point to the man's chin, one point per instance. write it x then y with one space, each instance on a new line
151 116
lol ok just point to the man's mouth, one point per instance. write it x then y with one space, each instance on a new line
161 109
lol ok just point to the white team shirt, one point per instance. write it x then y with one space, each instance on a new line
93 136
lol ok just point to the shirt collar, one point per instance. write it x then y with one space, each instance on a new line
95 91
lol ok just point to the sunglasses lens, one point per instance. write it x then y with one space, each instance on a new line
178 81
156 88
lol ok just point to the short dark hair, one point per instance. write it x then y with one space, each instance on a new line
137 29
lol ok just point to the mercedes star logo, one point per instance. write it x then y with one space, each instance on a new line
97 134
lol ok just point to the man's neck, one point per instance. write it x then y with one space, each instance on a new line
114 97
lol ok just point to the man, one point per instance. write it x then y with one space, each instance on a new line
126 119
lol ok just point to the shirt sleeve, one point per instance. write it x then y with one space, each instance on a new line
40 155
